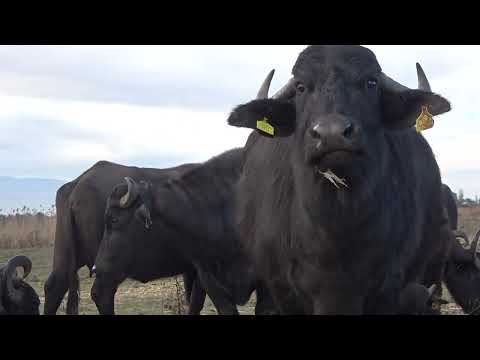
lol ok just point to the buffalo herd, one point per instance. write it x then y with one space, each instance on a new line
334 206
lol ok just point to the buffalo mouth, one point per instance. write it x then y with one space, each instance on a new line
333 157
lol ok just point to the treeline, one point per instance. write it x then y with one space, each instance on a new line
463 201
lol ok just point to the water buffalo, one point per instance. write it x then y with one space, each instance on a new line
80 208
160 229
340 198
462 275
16 296
462 272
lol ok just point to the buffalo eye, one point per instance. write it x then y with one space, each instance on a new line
372 83
300 88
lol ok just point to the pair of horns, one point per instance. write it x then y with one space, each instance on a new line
473 247
288 89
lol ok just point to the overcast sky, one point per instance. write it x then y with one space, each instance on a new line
65 107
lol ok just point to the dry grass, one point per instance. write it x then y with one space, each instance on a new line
32 234
469 220
27 229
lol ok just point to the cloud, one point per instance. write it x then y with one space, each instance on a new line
200 77
66 107
39 144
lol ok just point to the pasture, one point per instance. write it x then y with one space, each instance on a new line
161 297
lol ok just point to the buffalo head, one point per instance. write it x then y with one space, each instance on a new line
337 105
16 296
462 274
127 211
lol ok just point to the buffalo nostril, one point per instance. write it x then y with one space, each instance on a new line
348 131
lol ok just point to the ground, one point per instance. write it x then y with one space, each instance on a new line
162 297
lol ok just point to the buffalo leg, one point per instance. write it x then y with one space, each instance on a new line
103 294
265 304
219 296
197 298
188 280
55 289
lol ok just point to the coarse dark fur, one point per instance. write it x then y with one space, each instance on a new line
352 250
80 208
462 276
191 225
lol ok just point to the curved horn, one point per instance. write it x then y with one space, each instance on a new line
391 84
431 290
263 92
459 234
423 83
127 200
10 269
473 249
286 91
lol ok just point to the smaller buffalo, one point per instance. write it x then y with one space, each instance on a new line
161 229
462 275
16 296
462 271
80 208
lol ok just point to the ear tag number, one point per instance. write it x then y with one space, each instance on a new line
264 126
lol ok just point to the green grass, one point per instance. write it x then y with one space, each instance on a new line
132 298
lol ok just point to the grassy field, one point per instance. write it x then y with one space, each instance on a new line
162 297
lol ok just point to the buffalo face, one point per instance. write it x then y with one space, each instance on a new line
462 275
337 106
127 216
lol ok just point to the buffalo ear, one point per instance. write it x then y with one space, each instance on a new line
279 116
402 108
143 215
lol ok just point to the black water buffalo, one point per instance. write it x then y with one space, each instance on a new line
80 208
17 297
340 199
462 275
159 230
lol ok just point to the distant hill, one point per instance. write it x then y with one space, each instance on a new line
30 192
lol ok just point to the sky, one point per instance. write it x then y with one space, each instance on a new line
63 108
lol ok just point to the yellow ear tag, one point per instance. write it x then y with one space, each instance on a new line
264 126
424 120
